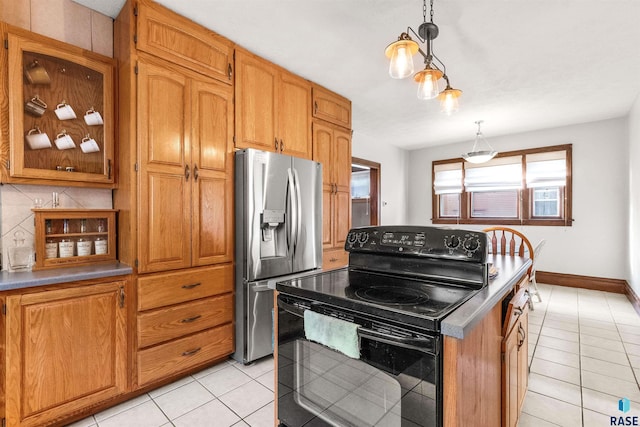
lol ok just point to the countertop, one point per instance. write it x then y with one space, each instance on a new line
28 279
461 321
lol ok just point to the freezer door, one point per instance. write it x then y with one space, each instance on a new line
307 241
267 210
259 326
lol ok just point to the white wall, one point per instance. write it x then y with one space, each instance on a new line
633 275
596 244
393 168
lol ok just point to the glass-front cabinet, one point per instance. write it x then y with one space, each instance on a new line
61 114
68 237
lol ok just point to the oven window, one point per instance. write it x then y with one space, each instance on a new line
388 387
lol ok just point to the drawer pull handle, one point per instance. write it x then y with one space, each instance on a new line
191 352
191 319
333 259
191 286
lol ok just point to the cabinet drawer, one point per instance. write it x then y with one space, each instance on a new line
335 259
166 324
167 35
331 107
175 356
164 289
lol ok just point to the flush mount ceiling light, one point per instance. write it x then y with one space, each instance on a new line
401 54
477 154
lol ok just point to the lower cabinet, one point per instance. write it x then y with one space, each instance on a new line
515 353
65 351
184 320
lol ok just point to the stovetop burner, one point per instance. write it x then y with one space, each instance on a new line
392 295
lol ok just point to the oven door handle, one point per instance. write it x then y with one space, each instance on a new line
424 345
290 308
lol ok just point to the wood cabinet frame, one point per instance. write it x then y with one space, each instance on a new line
14 167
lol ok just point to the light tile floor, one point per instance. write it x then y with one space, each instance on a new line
584 354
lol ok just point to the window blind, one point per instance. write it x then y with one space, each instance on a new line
500 174
448 178
547 169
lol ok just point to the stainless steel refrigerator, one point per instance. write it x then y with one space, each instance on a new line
278 206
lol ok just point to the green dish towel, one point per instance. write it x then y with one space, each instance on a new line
333 333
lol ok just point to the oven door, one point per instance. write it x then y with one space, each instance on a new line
396 382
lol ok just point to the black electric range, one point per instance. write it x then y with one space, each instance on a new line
407 274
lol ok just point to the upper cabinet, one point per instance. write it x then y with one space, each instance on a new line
61 113
273 107
166 35
331 107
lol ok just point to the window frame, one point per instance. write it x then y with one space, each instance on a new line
525 195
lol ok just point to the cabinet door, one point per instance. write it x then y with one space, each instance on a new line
164 229
510 379
65 351
294 115
341 218
170 36
342 160
47 145
212 158
256 97
523 357
323 152
331 107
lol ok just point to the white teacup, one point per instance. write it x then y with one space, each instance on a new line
89 145
93 118
64 141
37 140
64 111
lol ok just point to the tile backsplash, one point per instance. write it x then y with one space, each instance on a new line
16 202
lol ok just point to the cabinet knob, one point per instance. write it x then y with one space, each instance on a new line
275 140
195 172
281 146
186 172
315 107
229 71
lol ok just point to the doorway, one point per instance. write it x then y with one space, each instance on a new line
365 192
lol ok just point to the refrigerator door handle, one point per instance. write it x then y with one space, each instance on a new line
299 210
294 211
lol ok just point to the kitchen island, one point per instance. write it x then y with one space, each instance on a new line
476 377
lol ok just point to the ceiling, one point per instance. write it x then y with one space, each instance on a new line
522 64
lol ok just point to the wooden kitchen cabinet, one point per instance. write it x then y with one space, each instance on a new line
273 107
331 107
87 235
515 350
184 320
186 185
332 148
175 200
65 351
58 128
167 35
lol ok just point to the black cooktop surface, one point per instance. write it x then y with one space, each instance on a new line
408 300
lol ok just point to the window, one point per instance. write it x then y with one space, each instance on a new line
529 187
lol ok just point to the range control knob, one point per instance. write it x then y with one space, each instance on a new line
452 242
363 238
471 244
352 238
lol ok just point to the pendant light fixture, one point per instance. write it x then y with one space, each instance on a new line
401 54
477 153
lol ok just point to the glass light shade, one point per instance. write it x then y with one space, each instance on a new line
449 100
479 156
428 83
401 55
